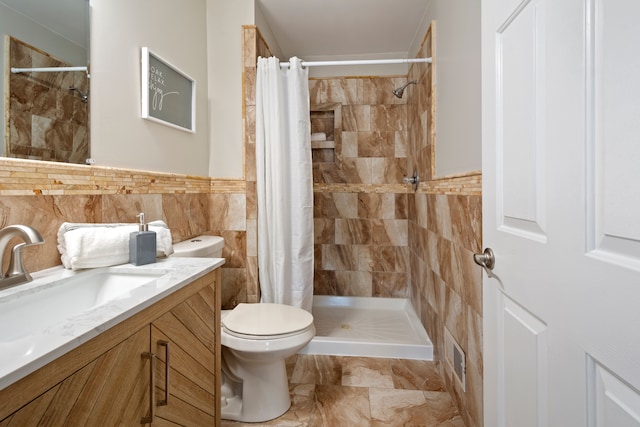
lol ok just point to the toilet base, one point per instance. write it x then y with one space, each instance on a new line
261 395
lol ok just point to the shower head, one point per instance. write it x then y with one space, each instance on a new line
400 91
84 97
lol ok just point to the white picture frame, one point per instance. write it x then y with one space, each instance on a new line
168 94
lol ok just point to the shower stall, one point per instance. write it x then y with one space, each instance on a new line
366 134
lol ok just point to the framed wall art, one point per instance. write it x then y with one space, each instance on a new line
168 94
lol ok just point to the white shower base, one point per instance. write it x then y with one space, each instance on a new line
371 327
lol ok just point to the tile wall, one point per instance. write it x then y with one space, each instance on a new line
47 120
360 203
45 194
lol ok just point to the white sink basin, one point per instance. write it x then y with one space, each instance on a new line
39 306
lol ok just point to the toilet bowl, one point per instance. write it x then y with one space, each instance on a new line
256 339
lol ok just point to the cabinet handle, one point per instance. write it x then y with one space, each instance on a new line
152 387
165 401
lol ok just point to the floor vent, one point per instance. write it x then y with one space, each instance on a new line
456 359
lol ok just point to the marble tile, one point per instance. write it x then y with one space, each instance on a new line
252 200
401 144
376 258
376 144
325 283
356 118
354 283
317 369
234 289
356 171
401 206
378 90
349 144
252 237
324 231
227 212
416 375
250 135
340 90
339 257
125 207
186 214
388 117
335 205
376 205
367 372
235 249
343 406
253 288
389 232
387 170
389 285
355 231
46 214
413 408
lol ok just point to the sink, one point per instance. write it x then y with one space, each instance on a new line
41 305
62 309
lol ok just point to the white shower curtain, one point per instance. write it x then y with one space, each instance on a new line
284 184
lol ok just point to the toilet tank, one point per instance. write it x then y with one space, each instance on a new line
200 247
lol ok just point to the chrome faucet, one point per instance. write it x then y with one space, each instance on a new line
16 273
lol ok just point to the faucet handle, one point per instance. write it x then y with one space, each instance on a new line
16 273
16 263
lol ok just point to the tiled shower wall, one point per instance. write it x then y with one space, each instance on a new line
47 120
360 203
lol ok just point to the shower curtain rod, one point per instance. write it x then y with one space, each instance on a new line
47 69
360 62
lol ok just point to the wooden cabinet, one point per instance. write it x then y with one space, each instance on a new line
107 381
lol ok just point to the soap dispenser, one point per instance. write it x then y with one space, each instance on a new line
142 244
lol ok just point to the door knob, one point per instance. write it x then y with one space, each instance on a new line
486 259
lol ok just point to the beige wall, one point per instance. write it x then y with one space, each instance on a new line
457 70
176 33
224 45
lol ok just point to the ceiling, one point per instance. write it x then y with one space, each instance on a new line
326 29
67 18
309 29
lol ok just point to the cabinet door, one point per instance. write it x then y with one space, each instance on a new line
187 335
112 390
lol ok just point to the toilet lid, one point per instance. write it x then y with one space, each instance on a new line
266 319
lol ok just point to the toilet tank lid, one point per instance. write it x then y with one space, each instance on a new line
266 319
197 243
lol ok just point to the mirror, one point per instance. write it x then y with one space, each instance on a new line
46 114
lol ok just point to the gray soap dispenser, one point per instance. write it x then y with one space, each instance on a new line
142 244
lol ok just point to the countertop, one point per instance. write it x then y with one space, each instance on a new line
22 355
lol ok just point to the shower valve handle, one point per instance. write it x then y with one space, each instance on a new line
413 180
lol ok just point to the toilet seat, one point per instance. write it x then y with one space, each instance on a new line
266 321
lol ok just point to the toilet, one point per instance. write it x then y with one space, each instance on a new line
256 340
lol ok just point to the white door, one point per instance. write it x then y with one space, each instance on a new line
561 210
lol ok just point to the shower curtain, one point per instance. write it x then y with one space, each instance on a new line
284 184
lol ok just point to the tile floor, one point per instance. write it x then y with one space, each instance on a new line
339 391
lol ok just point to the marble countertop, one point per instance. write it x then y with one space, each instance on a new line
28 340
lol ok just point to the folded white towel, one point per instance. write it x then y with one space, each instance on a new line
318 136
84 245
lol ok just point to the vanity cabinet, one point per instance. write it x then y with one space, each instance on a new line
119 378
